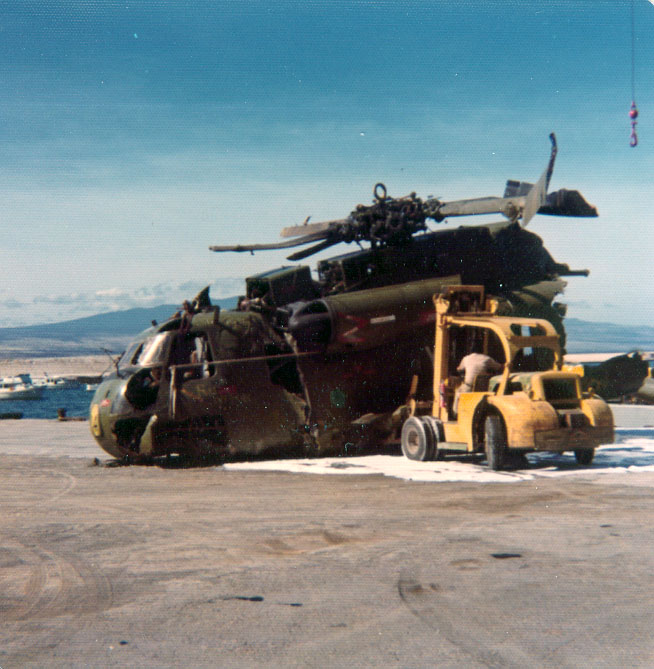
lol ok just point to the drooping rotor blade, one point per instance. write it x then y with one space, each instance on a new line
307 239
305 253
309 228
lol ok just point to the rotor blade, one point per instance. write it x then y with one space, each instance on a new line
305 253
538 194
269 247
509 206
521 200
309 228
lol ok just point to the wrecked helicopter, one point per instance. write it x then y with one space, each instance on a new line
318 366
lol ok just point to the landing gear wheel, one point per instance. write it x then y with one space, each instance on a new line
417 439
584 456
494 442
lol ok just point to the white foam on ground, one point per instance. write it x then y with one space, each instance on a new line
633 455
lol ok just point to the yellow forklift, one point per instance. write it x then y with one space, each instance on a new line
530 406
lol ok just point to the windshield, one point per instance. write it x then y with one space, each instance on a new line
154 351
148 353
129 357
537 359
560 389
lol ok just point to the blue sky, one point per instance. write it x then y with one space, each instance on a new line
136 134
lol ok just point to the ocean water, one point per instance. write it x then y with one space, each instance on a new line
75 400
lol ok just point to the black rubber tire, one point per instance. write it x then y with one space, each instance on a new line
584 456
436 426
417 439
494 442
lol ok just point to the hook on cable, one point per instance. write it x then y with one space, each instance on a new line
633 115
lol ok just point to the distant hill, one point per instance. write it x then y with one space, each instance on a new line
113 330
589 337
86 336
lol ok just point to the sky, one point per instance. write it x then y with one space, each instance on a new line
136 134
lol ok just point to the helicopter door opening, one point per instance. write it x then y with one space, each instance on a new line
192 353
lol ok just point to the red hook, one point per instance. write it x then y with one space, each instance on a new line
633 115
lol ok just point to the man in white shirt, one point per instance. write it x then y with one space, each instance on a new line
472 365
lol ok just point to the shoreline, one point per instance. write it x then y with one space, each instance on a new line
73 366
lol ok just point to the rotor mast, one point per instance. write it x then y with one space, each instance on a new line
393 221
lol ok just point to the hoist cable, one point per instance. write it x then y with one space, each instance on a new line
633 111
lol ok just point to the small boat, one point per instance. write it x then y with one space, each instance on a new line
19 387
46 381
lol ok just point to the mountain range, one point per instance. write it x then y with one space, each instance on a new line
92 335
113 330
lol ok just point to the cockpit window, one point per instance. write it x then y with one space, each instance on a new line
154 351
128 359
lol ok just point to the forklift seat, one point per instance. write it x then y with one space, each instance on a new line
480 383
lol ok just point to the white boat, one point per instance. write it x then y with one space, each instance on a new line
19 387
46 381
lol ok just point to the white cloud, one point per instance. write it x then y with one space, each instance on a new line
112 292
52 308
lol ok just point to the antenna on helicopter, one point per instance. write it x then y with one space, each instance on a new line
114 360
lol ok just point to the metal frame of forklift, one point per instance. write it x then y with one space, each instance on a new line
530 411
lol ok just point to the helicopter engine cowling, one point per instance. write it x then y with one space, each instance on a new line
366 318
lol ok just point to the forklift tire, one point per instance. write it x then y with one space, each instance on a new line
437 436
494 442
417 439
584 456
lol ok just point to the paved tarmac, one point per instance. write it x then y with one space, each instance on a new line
151 567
